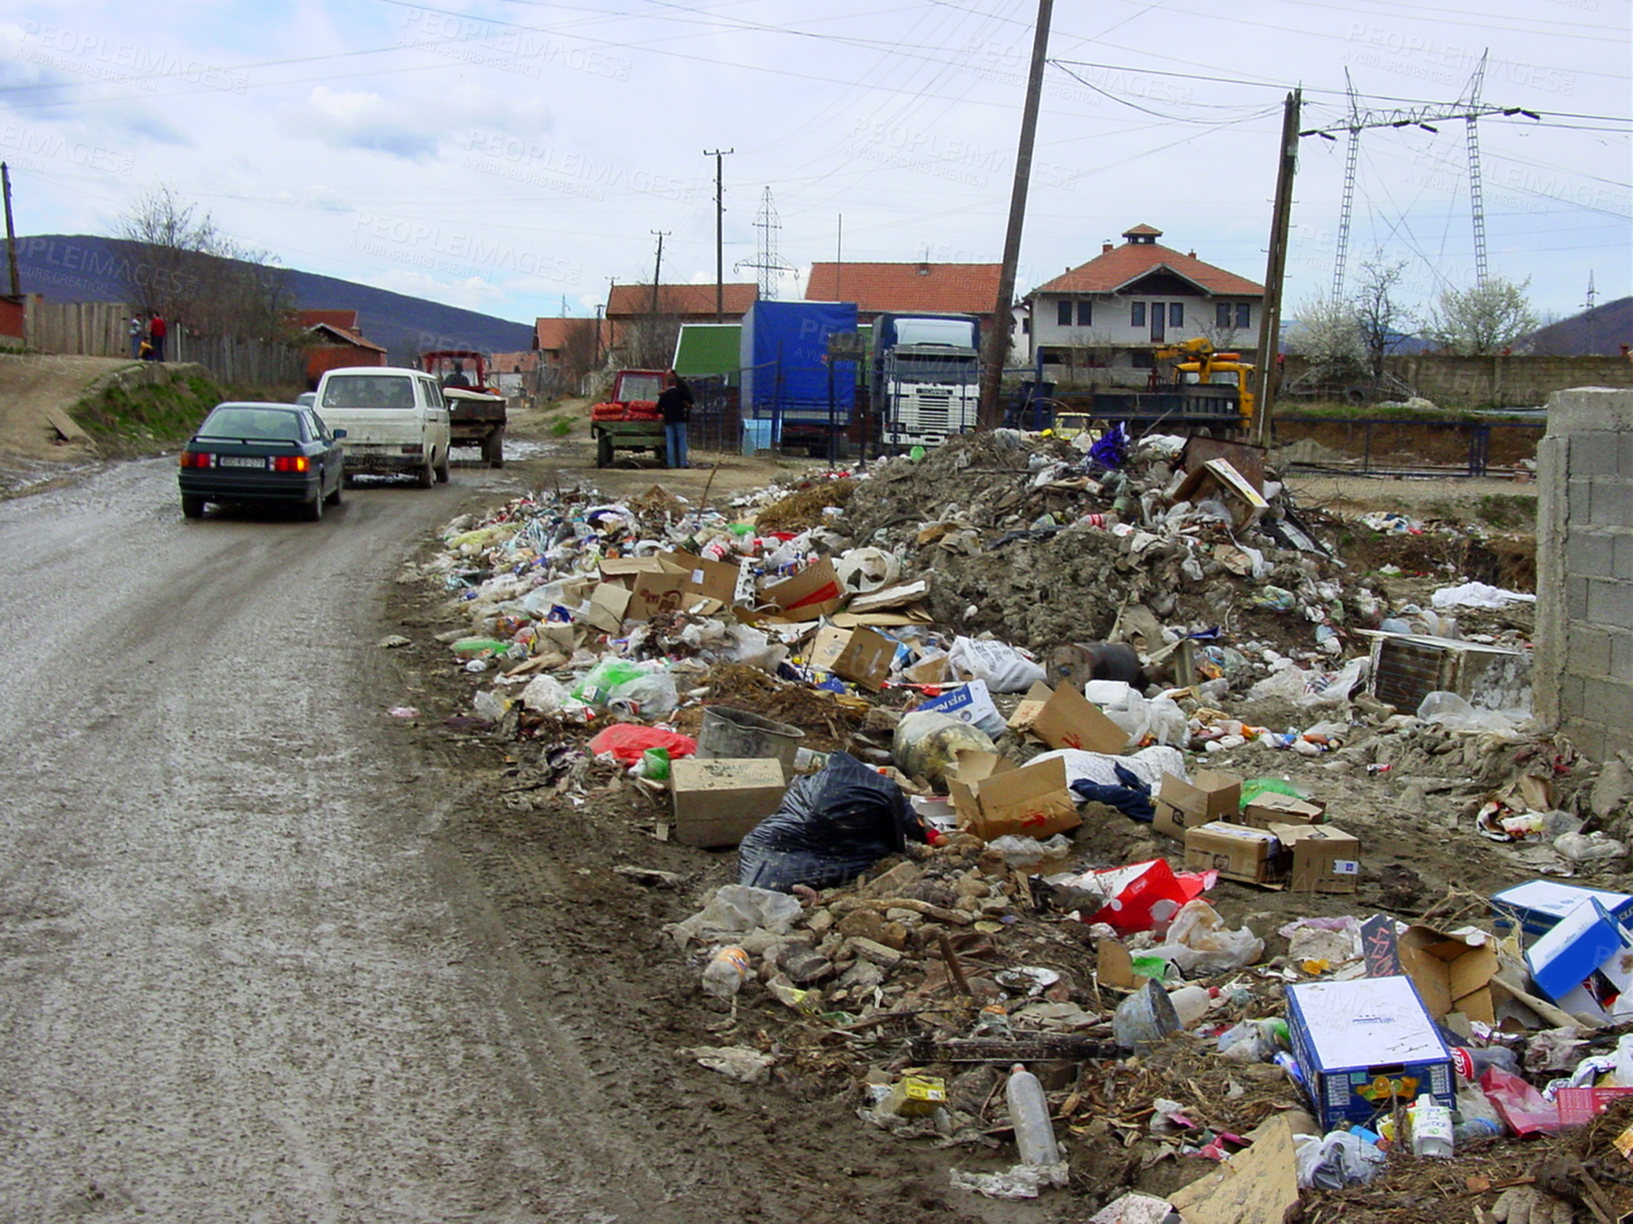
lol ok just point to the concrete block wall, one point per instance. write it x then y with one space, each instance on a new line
1584 649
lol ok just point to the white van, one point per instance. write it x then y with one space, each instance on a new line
395 420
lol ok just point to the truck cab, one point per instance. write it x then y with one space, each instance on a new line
926 377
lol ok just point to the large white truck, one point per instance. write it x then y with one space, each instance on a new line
926 377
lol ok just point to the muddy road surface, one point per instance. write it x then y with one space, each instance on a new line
245 977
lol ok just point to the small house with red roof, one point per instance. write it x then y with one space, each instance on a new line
1115 310
896 288
627 304
333 340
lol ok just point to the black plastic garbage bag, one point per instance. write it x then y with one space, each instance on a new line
830 827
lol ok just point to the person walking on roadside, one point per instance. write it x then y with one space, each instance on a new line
675 403
136 337
155 333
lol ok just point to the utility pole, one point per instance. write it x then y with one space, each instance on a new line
992 414
839 258
1276 265
657 271
11 233
719 234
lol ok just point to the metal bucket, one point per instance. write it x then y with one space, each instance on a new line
737 733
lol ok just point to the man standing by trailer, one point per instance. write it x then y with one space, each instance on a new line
675 403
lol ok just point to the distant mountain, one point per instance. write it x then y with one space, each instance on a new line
86 268
1602 331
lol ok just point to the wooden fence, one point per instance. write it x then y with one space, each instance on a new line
102 329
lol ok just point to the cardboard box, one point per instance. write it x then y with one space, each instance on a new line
811 594
1217 478
1318 858
607 607
1585 964
1451 974
859 655
715 581
715 802
969 703
1182 805
655 594
1363 1044
1271 808
994 797
1537 905
1235 851
624 570
1069 720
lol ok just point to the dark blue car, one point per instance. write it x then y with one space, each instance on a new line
262 453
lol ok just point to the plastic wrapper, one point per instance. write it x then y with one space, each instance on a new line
626 742
1338 1160
734 911
1003 667
1518 1104
1200 943
926 744
830 828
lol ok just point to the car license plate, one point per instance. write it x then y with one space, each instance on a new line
244 461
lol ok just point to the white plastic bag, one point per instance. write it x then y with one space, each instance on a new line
1003 667
1200 943
545 695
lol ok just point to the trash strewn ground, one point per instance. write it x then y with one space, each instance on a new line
906 992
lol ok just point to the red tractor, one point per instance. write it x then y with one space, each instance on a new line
476 410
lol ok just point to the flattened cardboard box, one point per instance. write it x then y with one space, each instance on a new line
716 580
717 801
1318 858
608 605
1271 808
994 797
811 594
1182 805
1235 851
1067 719
859 655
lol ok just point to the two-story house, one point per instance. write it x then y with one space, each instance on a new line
1109 315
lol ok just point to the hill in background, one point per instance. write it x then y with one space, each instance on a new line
1600 331
86 268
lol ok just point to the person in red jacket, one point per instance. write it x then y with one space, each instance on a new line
155 334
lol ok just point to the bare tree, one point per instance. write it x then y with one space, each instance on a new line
1380 318
187 270
1483 319
580 351
649 341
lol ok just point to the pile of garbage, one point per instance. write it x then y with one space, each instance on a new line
957 715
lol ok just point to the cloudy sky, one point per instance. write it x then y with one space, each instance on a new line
517 157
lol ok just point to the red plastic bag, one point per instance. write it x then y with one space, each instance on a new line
1519 1105
627 741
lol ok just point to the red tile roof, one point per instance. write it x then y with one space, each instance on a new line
1118 267
506 363
685 301
344 320
875 287
551 334
328 331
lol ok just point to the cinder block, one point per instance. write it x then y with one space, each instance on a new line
1609 603
1571 701
1624 452
1610 503
1587 651
1576 598
1608 702
1588 737
1622 563
1590 553
1594 452
1621 657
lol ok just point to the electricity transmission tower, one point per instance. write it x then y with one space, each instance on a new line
1468 108
766 259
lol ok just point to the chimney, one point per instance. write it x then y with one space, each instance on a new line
1190 255
1105 246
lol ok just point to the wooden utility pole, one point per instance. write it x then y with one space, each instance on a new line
11 233
992 413
1276 267
657 271
719 235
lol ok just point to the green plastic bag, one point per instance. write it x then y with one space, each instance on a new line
596 688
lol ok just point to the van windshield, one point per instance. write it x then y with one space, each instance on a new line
368 391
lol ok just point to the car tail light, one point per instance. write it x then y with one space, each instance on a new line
291 463
196 459
412 450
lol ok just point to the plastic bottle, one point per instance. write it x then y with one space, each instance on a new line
726 972
1029 1114
1476 1118
1431 1128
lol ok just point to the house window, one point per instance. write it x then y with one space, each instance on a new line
1176 314
1142 359
1085 313
1136 314
1221 317
1244 314
1026 327
1064 317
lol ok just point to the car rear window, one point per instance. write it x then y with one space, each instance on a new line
368 391
261 423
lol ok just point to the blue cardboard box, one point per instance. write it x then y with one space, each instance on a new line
1585 964
1364 1044
1537 905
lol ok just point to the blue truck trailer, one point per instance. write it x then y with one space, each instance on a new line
785 376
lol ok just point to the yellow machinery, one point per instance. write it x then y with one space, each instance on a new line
1197 357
